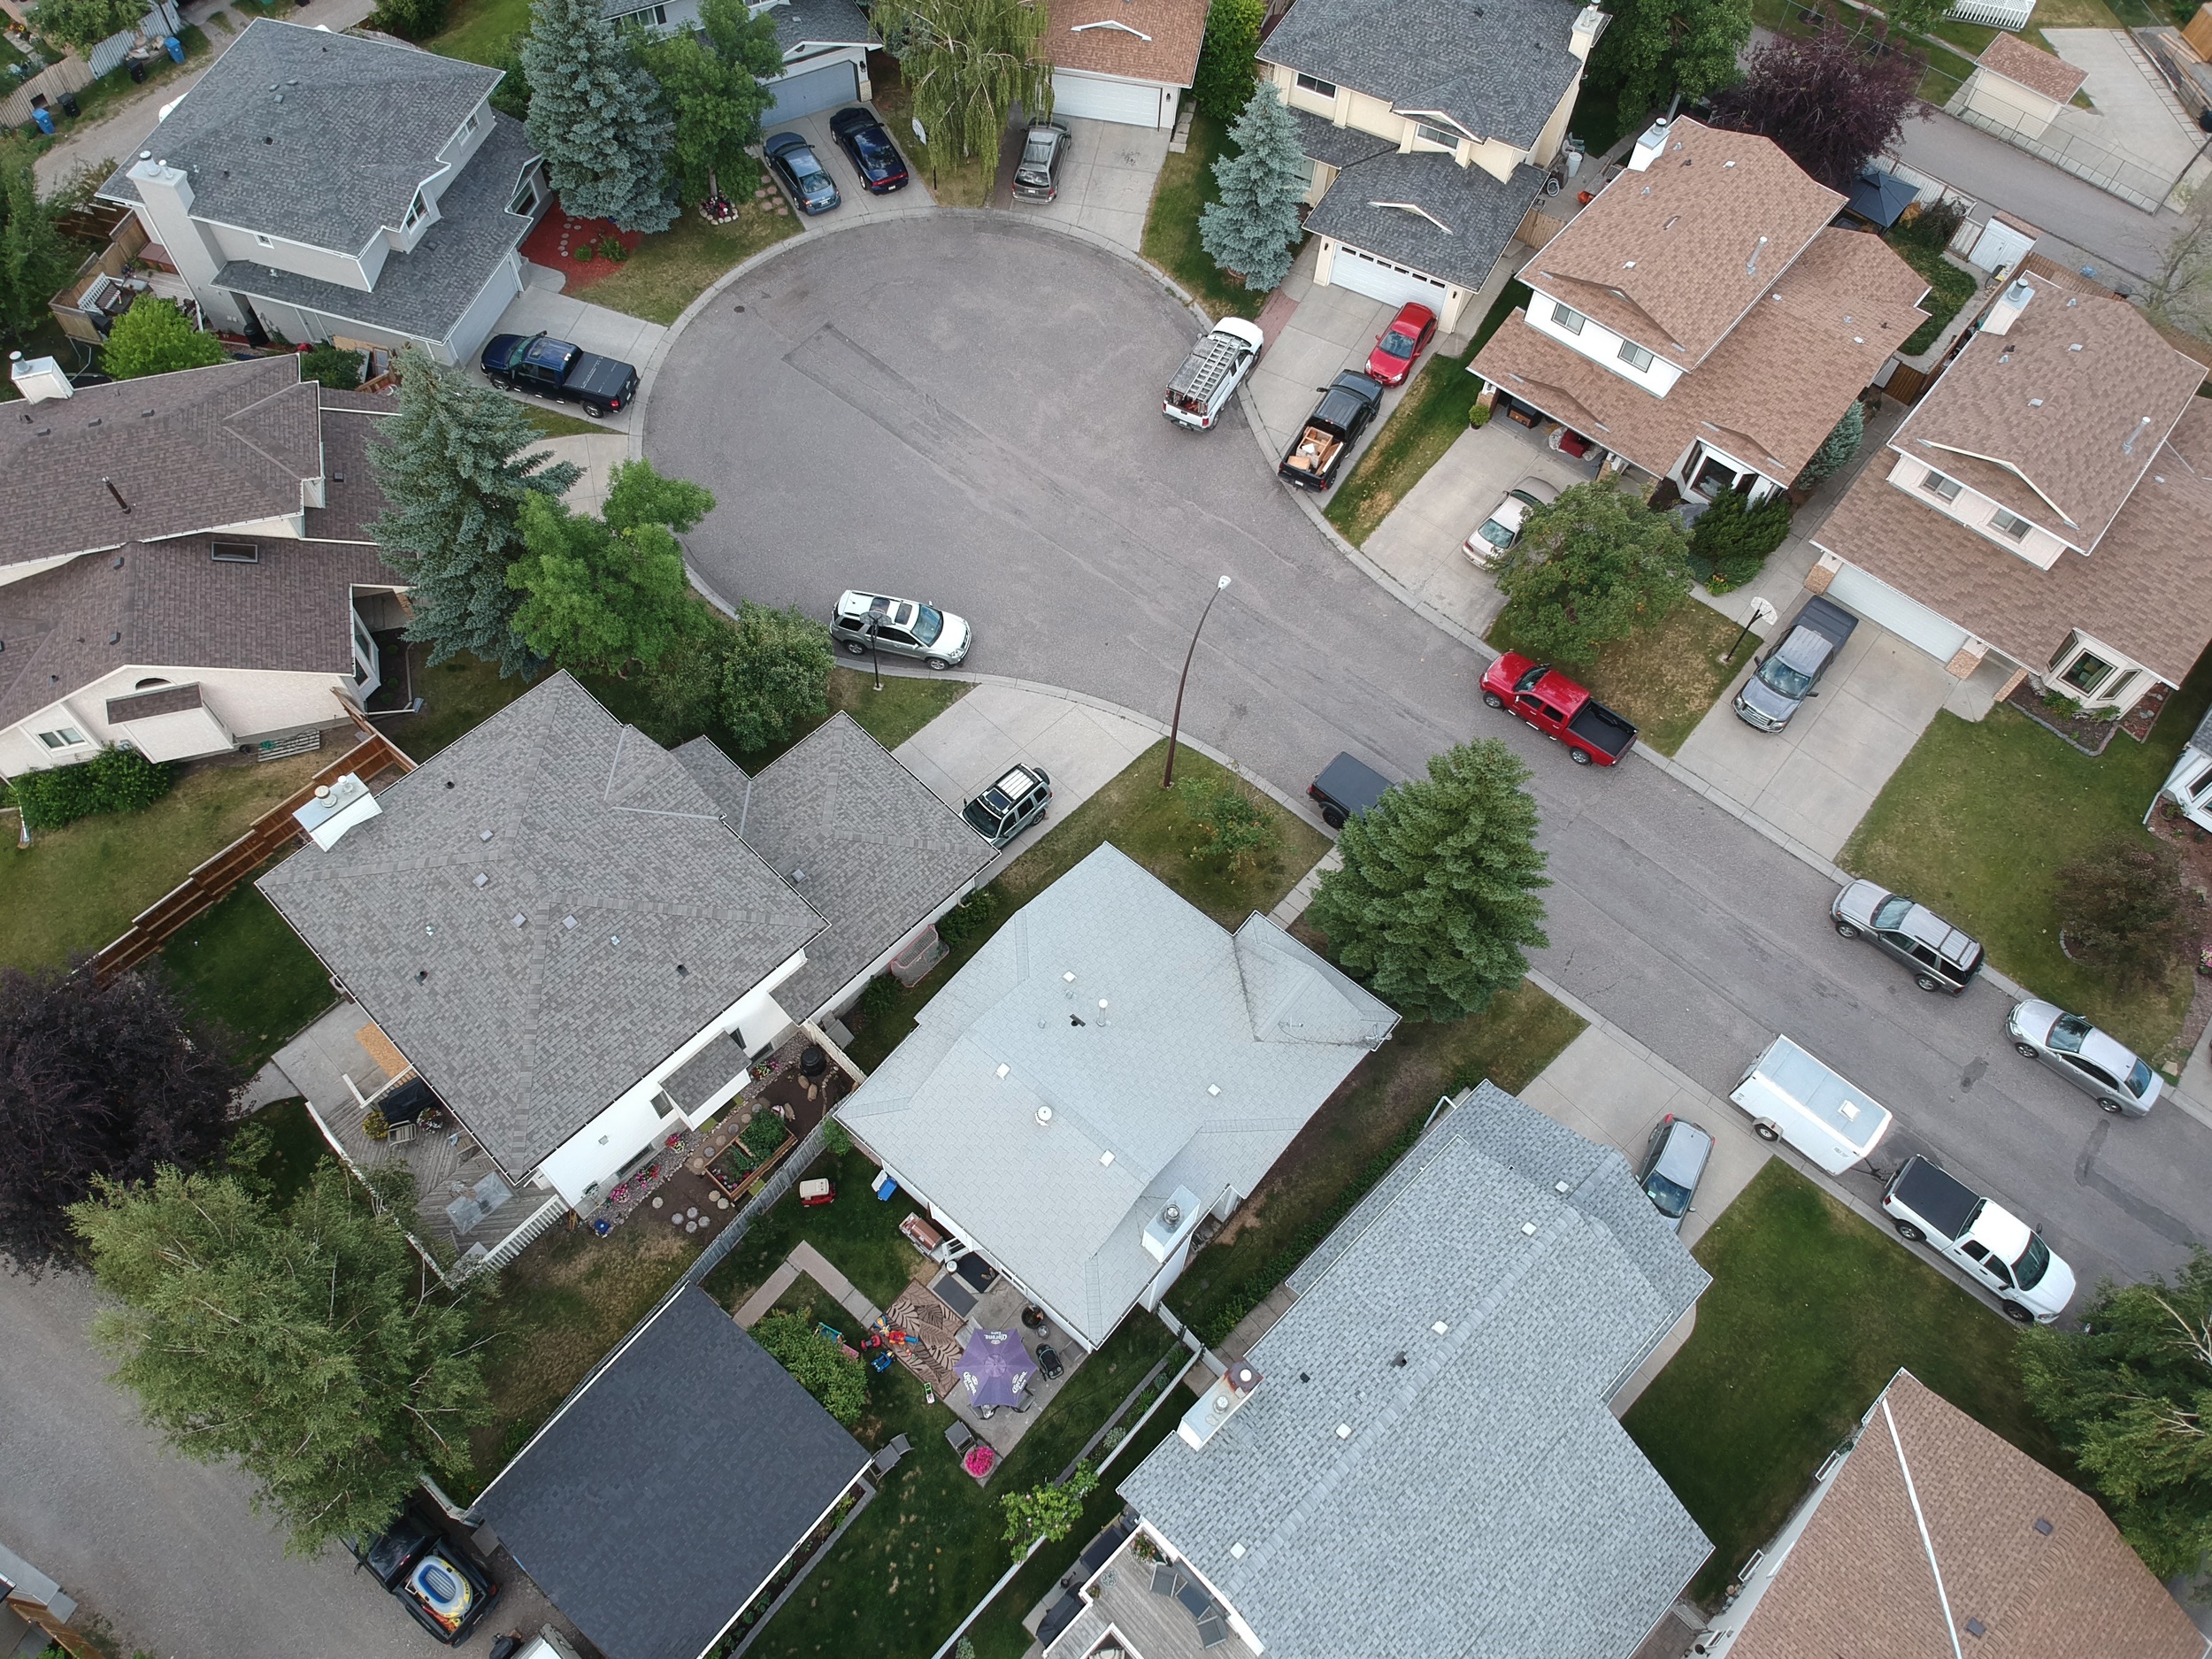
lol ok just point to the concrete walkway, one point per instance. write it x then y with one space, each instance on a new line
804 1258
596 455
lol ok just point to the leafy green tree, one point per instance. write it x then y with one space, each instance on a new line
306 1341
1436 900
967 62
36 259
1046 1512
602 593
455 467
597 117
84 24
338 367
409 20
1837 448
1655 48
1233 828
1732 538
775 674
712 82
2120 908
818 1364
1589 569
154 337
1253 230
512 96
1226 66
2129 1394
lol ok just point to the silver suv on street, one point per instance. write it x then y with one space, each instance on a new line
899 627
1941 958
2100 1066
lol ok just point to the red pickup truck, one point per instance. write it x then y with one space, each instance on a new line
1560 710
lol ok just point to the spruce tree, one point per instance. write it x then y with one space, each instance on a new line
454 471
1436 900
1253 230
1837 448
597 117
35 258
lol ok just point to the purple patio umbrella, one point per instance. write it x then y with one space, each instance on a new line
996 1367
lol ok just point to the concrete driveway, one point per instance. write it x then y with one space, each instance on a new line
1313 335
1106 180
1422 542
607 333
853 201
1816 777
2137 115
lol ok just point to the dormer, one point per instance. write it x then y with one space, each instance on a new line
1936 484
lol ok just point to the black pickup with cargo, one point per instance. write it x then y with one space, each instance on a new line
1316 454
1346 788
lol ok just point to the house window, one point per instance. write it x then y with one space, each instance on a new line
234 552
469 126
415 211
1423 134
1635 355
1320 87
2009 524
2087 672
526 202
262 242
65 737
1941 487
1565 316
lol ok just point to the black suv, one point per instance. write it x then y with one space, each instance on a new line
443 1588
1011 805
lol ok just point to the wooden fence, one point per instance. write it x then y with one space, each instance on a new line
71 74
269 834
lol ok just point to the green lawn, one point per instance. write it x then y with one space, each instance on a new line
481 30
1951 288
1351 1143
554 424
1432 414
858 1232
1812 1312
242 964
1187 184
1665 677
295 1145
673 267
76 889
1980 819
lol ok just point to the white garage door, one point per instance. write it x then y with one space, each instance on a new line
1908 619
823 89
1379 280
1131 103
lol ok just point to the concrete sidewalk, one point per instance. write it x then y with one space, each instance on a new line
804 1258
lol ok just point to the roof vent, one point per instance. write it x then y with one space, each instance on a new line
1561 1187
568 921
1344 1431
1004 1069
421 975
521 919
1069 977
1440 1327
482 880
2128 447
1044 1114
1106 1160
682 971
1528 1229
2035 402
1975 1627
1236 1551
2043 1526
483 835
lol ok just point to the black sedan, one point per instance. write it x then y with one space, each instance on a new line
800 175
874 158
445 1589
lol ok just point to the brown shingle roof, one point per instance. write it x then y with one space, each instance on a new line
222 445
1859 1579
2142 591
1671 258
144 705
1773 390
1176 30
2064 411
2037 71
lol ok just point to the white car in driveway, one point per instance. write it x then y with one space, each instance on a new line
1502 528
2100 1066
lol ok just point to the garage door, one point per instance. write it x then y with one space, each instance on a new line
1885 607
823 89
1379 280
1131 103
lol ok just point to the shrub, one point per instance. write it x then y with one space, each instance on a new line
973 917
610 249
1732 538
584 252
1233 828
1479 415
114 780
820 1364
338 367
2121 907
1225 66
882 993
835 1140
375 1125
764 1134
409 20
1047 1511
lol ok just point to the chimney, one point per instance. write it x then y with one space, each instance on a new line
38 379
1648 147
2007 310
1221 1402
337 808
1170 1226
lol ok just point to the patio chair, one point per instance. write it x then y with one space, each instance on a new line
399 1134
1213 1629
1194 1599
957 1434
1163 1578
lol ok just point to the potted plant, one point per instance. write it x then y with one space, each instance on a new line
374 1127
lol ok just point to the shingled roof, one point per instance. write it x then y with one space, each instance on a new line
2033 68
619 917
1425 211
1140 40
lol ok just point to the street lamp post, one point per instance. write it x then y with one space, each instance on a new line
875 649
1175 727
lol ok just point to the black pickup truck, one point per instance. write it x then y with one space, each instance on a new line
1346 407
547 367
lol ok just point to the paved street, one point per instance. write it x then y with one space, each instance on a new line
965 411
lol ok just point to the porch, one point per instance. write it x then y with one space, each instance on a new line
111 281
1147 1608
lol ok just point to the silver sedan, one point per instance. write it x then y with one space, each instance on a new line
2100 1066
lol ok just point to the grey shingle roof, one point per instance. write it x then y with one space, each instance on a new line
1486 1500
1497 68
1188 1006
357 133
1476 214
528 1031
857 835
223 445
653 1506
1324 140
423 292
821 22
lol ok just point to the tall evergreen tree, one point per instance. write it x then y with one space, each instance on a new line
455 474
1253 230
967 62
712 80
1838 446
1436 900
36 259
602 593
597 117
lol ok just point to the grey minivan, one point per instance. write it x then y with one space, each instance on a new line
1037 175
1941 956
1674 1163
1787 673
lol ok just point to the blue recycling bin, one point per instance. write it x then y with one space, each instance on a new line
44 118
174 47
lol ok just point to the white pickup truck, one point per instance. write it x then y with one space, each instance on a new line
1927 1205
1210 375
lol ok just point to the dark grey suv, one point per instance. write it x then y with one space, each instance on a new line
1941 958
1010 806
1673 1165
1788 672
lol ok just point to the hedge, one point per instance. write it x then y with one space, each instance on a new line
114 780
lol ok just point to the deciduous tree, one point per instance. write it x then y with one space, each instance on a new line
456 465
338 367
84 24
1047 1511
1656 48
774 674
1233 828
967 62
1227 68
597 117
1437 897
1254 229
36 259
96 1080
2121 907
711 79
1589 568
602 593
154 337
308 1342
1834 102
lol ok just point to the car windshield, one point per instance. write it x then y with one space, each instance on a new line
1892 911
2139 1080
1497 535
1396 344
928 624
1778 676
988 810
2067 1032
1671 1197
2034 1261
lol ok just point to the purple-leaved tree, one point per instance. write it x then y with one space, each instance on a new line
1832 103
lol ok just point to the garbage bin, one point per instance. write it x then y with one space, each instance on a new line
138 69
174 47
69 105
44 119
